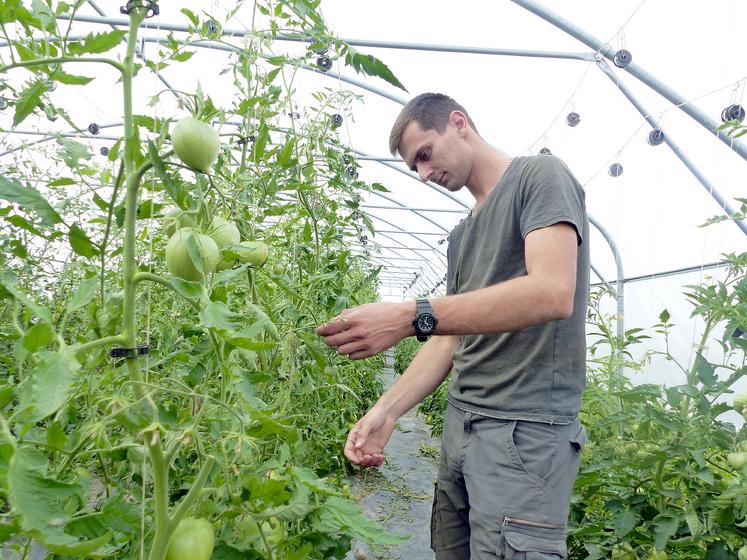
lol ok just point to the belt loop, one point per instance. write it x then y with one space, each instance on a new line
467 422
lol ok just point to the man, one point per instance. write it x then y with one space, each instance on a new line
512 330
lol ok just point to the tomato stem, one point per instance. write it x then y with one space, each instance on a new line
61 60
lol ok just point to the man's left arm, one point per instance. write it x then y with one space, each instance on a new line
545 294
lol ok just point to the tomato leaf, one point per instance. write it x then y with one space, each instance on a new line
44 14
28 198
217 315
339 514
369 65
625 521
72 152
665 526
9 285
97 43
285 156
260 144
81 243
192 17
192 291
49 385
38 336
28 100
38 500
23 223
116 513
705 371
174 189
71 79
83 295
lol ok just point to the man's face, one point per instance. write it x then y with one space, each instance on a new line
441 158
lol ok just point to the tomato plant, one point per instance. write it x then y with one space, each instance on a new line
663 476
133 402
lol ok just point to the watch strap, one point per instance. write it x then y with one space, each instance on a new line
423 306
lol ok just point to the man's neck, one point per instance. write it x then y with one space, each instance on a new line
490 165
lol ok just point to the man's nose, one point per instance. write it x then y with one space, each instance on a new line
425 172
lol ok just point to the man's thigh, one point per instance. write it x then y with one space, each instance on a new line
504 488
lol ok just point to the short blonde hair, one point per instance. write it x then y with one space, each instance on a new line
430 111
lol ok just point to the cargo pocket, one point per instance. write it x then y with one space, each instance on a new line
525 540
579 440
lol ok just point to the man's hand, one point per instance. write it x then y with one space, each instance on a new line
366 441
366 330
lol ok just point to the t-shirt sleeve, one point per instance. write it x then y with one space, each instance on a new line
550 194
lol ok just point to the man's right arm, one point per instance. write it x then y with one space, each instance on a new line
425 373
367 439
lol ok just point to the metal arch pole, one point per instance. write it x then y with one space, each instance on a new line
427 262
604 280
353 42
717 196
530 5
71 133
620 292
439 253
438 278
634 69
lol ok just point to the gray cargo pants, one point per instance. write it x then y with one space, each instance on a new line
504 488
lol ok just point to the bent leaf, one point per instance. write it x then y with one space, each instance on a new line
28 100
49 385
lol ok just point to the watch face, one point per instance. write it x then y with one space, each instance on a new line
426 323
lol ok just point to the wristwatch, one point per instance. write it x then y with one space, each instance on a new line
425 320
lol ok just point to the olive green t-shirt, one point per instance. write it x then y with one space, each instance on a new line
537 373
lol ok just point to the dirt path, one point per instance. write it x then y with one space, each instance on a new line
399 493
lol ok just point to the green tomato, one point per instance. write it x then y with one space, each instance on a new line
223 232
272 529
175 219
740 401
246 252
742 554
180 262
196 143
737 460
278 269
193 539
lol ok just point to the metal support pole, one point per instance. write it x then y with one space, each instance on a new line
620 292
605 50
604 67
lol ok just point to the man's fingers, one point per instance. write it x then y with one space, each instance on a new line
333 326
374 460
343 337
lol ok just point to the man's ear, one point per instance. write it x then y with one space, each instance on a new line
459 121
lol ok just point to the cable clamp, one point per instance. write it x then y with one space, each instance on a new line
150 5
129 352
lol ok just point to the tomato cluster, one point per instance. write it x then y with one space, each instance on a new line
192 254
